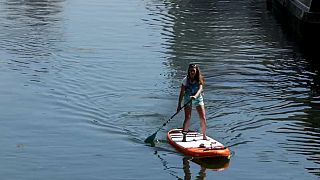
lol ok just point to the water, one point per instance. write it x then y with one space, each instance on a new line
83 83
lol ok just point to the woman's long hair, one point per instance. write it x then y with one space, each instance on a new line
198 77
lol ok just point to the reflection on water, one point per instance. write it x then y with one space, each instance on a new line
34 28
217 164
204 164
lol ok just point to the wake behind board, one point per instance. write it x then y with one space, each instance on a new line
195 146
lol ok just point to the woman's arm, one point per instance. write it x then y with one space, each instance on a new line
198 92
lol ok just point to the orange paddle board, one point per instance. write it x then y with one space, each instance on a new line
195 146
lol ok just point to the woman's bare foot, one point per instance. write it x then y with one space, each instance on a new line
184 136
205 137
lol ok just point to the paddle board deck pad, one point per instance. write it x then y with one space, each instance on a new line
195 146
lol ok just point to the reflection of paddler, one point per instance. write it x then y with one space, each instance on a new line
217 164
186 168
187 172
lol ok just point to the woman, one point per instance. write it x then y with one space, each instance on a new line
191 88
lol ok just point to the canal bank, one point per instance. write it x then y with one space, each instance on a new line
302 17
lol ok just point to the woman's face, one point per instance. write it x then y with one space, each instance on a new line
192 71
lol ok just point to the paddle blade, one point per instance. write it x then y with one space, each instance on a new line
151 138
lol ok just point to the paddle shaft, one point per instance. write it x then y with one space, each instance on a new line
150 139
164 124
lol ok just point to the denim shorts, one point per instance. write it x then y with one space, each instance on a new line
197 102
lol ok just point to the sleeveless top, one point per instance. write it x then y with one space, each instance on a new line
190 88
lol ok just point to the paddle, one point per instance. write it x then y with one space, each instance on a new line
151 138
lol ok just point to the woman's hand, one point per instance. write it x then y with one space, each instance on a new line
179 108
193 97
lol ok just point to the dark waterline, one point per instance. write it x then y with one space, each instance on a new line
84 83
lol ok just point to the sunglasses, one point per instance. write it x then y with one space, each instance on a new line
192 65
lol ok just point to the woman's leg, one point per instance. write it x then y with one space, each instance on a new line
203 121
187 117
186 122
